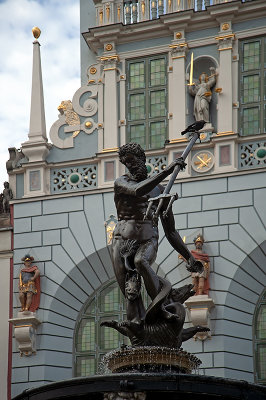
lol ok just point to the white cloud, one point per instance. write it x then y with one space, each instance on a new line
60 53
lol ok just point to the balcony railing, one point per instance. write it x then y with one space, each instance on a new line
133 11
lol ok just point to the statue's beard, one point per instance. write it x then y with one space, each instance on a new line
139 171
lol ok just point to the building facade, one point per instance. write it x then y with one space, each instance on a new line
141 83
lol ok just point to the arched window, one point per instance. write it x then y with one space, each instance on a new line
91 341
260 340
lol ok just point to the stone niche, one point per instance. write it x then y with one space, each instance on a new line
202 64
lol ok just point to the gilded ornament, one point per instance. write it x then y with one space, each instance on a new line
203 136
101 17
36 32
108 12
218 90
118 13
178 35
110 225
143 8
100 125
88 124
202 161
109 47
72 118
93 70
169 4
225 26
122 76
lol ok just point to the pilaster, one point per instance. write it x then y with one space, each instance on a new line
177 88
110 62
225 99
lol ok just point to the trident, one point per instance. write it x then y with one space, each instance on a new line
166 194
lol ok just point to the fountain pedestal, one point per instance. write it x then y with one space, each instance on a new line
150 359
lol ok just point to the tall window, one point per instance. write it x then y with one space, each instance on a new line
253 87
260 340
92 341
147 101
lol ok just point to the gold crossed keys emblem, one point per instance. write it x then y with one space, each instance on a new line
202 161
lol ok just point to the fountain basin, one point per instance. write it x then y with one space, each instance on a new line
155 386
149 359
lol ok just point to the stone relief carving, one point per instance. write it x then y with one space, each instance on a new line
69 117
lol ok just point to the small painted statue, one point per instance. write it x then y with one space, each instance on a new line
29 285
200 280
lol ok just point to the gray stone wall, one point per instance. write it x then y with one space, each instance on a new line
67 238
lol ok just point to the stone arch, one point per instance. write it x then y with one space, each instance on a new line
68 291
68 294
244 291
259 339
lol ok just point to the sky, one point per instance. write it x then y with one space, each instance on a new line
60 56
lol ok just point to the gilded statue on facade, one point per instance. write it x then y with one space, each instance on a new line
201 90
29 285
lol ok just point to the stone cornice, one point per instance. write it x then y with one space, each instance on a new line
164 26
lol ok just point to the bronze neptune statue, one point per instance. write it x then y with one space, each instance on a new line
140 200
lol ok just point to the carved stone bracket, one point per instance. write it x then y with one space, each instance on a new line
178 50
225 42
199 311
25 326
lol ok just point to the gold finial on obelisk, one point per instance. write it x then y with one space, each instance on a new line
36 32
